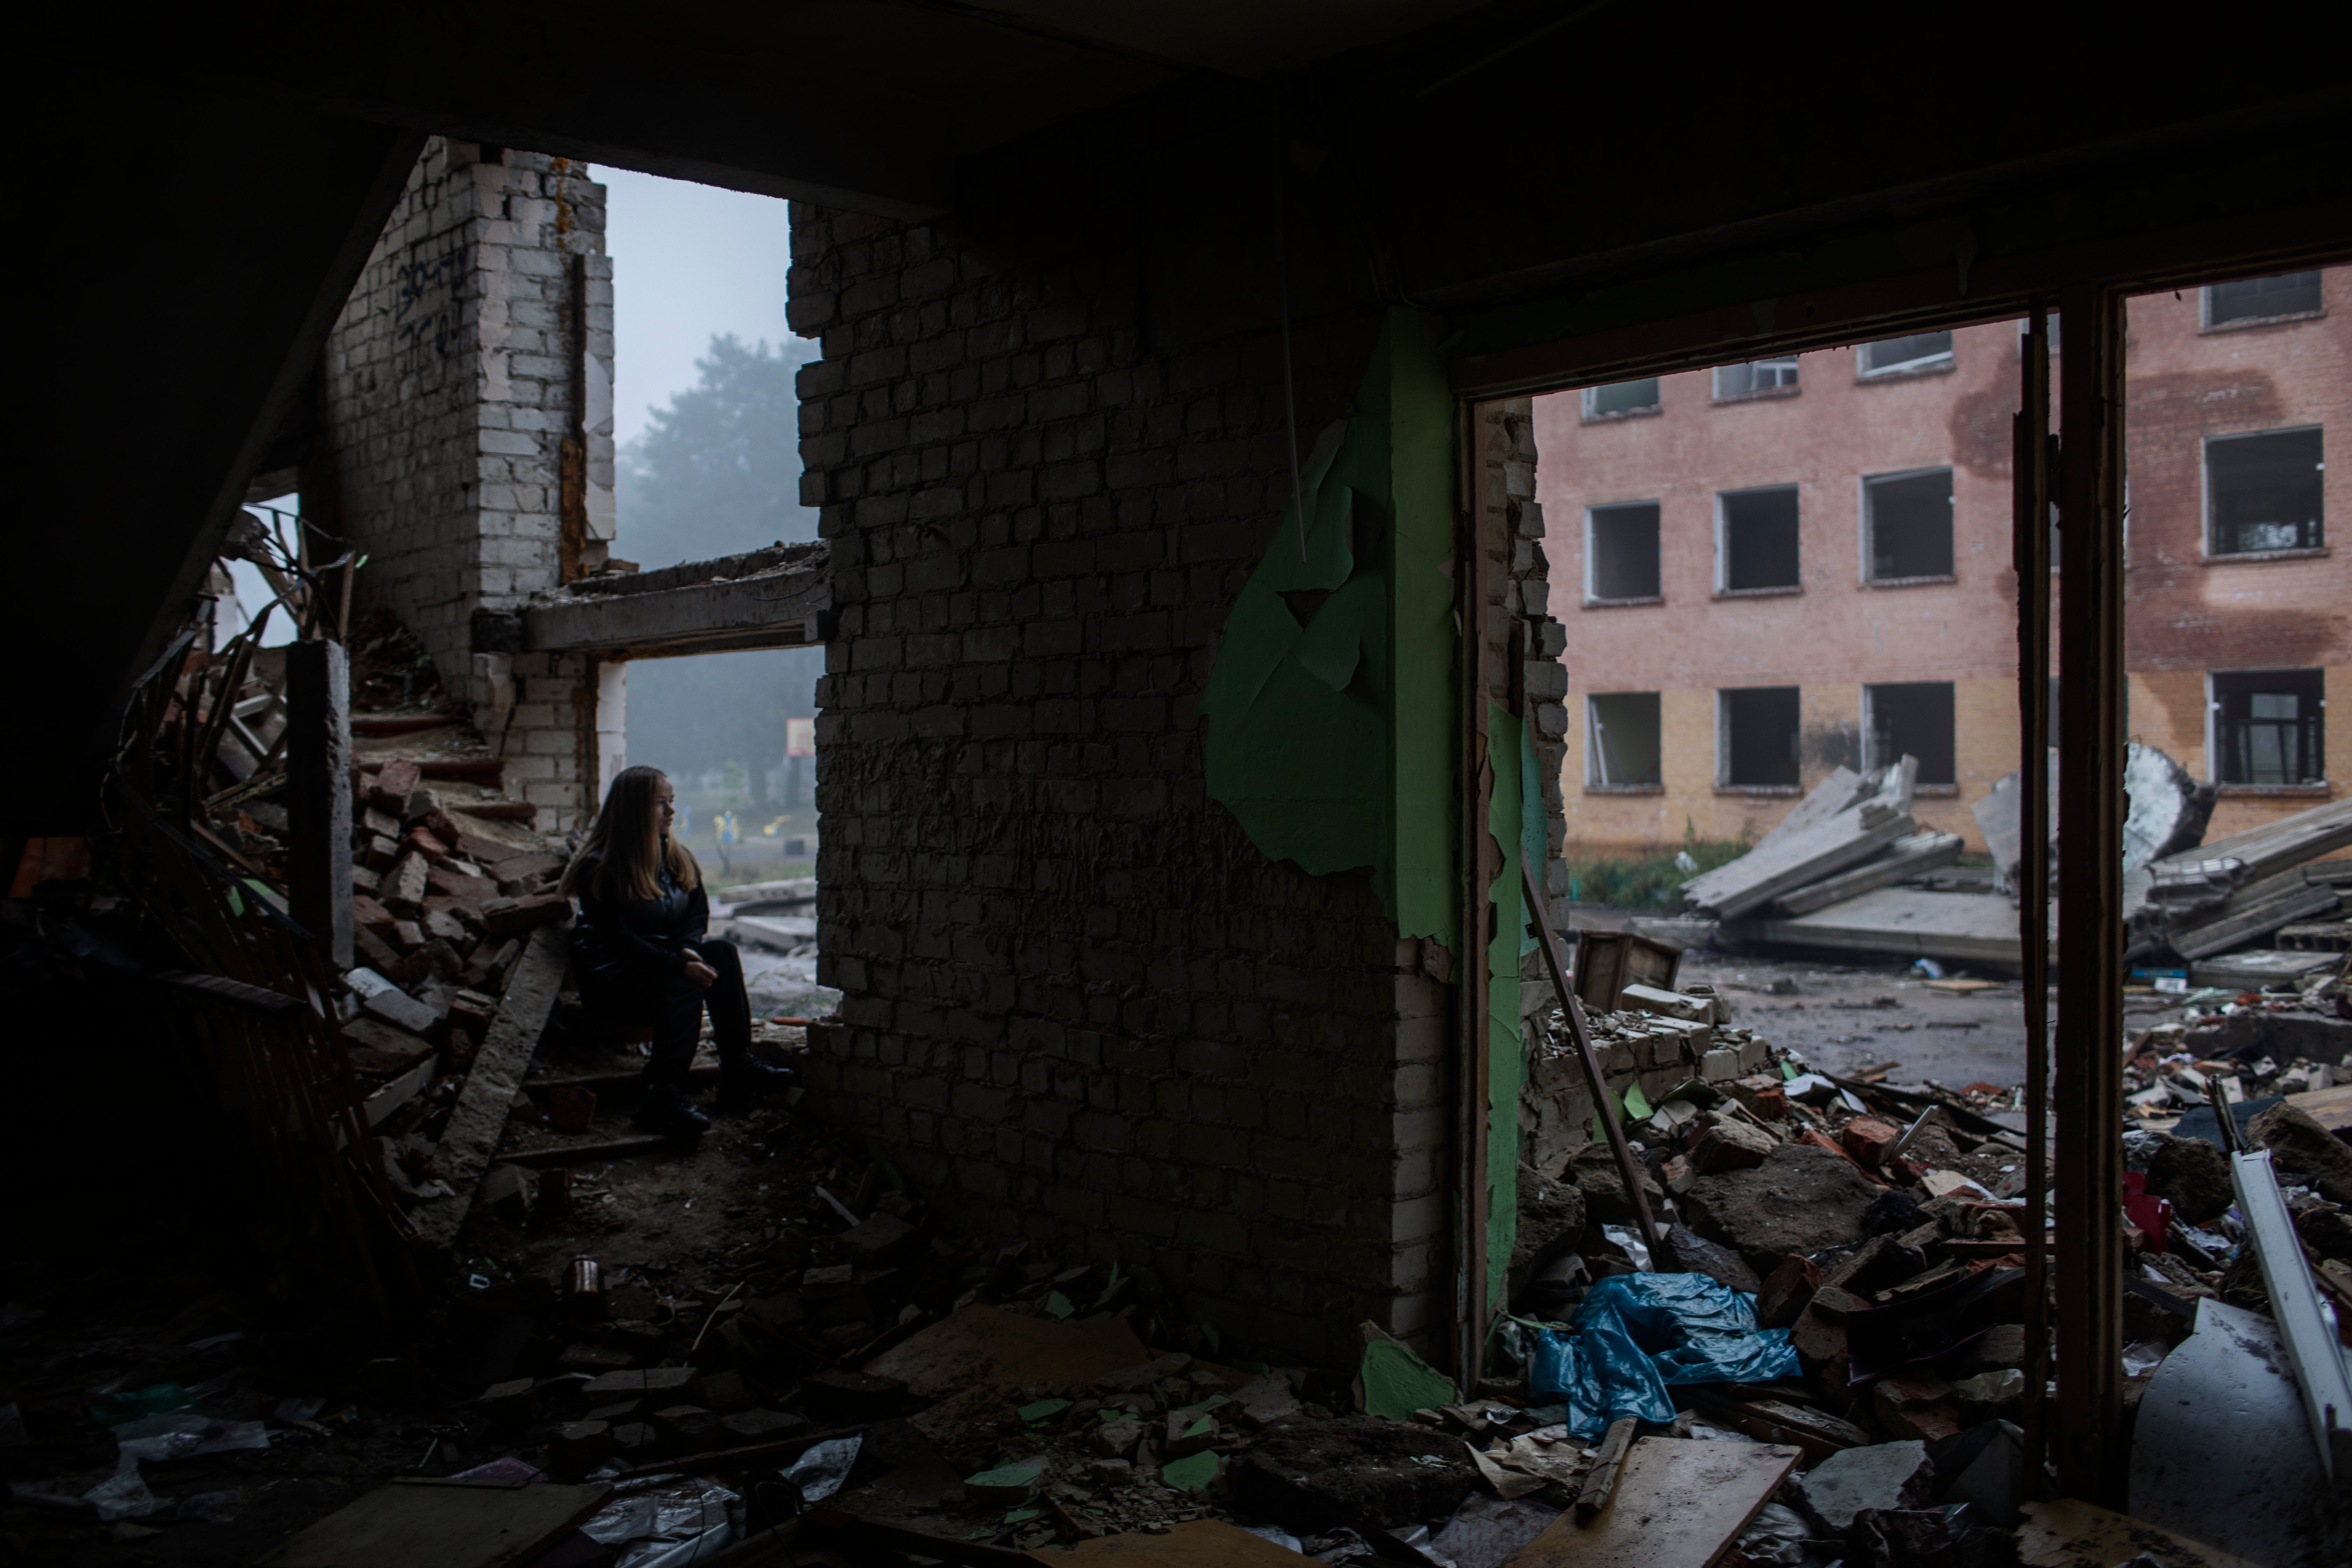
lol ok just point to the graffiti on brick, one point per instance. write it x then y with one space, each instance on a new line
427 293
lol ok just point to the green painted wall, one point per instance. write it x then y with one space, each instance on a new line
1506 1067
1331 709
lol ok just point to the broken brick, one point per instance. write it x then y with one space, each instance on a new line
402 889
513 917
474 891
1787 1291
1867 1139
393 785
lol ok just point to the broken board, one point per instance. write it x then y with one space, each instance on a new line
2070 1535
1962 928
1680 1504
1195 1543
2331 1108
448 1524
480 1118
1923 851
976 1355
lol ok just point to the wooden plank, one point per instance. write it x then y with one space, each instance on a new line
480 1119
1904 858
490 1525
1195 1543
589 1150
1679 1504
2071 1534
399 1091
2331 1108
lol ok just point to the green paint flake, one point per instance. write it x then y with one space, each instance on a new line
1042 1409
1788 1071
1023 1515
1637 1105
1058 1305
1331 713
1199 1427
1191 1473
1006 1483
1397 1382
1209 1333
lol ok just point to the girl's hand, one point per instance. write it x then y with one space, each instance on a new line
701 974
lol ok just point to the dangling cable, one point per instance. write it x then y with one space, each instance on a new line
1282 288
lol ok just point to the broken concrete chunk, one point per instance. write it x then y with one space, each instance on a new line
1687 1252
1915 1405
1667 1003
1786 1291
1189 1431
577 1447
853 1396
760 1426
1594 1169
1730 1145
2194 1174
883 1237
2303 1146
1134 1379
1114 1439
1801 1199
1266 1401
664 1385
1884 1476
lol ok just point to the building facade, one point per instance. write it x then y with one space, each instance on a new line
1771 570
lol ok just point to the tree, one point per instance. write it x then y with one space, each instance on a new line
719 470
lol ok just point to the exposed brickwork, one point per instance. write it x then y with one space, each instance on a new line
450 389
1078 1003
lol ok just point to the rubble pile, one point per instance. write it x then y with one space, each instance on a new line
1850 869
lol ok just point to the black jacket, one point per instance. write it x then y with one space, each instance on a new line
637 944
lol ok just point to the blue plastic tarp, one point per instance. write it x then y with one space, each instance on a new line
1635 1334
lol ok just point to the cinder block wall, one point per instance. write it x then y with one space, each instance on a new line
1079 1004
449 390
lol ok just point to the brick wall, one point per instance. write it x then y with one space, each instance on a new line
453 379
1078 1004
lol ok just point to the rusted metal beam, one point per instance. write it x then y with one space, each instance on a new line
2091 1450
2031 467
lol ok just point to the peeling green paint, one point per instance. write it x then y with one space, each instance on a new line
1506 1068
1331 711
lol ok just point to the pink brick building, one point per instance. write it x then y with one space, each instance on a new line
1770 570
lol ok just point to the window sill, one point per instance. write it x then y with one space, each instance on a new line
1950 791
1623 413
2245 322
2274 792
1624 789
2255 557
1908 582
1791 791
1623 603
1760 592
1915 372
1765 394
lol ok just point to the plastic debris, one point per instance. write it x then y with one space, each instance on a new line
1634 1334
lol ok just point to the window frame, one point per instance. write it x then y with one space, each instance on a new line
1789 388
1866 524
2214 736
2206 323
1870 761
1593 600
2205 486
1723 780
1593 747
1592 416
1930 364
1723 588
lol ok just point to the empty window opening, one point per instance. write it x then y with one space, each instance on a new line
1759 538
1621 399
1760 737
1921 351
2268 726
1624 747
2263 492
1912 719
1907 525
1755 379
1622 552
2263 298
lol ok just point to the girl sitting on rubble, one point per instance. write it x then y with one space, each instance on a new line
642 955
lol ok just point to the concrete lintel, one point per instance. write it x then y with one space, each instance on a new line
785 609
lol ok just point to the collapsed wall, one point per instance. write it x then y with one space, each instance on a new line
467 428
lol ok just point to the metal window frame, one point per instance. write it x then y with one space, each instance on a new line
2206 323
2216 736
1778 388
1585 396
2205 492
1864 371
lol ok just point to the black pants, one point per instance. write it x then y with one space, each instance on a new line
675 1011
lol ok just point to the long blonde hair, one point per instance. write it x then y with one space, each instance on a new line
621 859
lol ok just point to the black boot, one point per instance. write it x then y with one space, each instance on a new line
746 1079
666 1110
